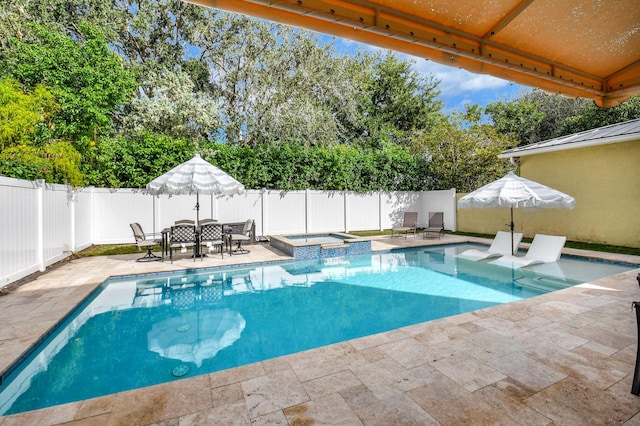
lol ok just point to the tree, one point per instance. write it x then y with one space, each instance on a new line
518 120
23 115
463 153
55 162
593 116
536 116
279 95
556 109
399 101
310 95
87 79
134 161
174 109
276 84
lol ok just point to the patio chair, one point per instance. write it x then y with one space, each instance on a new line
409 224
501 246
143 241
242 237
181 237
543 249
212 235
435 225
185 222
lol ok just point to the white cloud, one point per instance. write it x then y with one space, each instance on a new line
454 80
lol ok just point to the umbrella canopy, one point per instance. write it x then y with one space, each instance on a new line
195 176
515 192
196 336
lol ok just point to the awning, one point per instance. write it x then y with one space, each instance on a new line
579 48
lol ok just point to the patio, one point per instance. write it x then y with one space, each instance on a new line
562 358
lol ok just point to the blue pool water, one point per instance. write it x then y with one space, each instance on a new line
317 238
163 327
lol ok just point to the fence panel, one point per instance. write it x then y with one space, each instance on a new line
325 211
440 201
19 229
41 224
284 212
113 211
168 209
394 204
83 219
56 230
363 212
239 208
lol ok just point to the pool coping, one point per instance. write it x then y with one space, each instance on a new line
238 378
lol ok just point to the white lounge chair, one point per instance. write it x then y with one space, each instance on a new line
501 246
543 249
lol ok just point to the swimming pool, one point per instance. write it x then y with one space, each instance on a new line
255 312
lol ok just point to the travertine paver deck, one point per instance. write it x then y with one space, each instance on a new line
563 358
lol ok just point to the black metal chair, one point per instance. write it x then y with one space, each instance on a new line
211 235
182 237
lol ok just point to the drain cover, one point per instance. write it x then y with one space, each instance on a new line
180 370
183 327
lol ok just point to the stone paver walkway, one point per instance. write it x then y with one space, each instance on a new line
564 358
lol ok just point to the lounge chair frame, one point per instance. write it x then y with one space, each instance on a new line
409 225
435 225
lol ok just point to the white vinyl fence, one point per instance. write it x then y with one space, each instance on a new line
41 224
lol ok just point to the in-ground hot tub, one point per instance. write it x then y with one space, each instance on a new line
320 246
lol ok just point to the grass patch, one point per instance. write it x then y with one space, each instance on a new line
109 250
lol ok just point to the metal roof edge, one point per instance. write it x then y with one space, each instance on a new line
575 145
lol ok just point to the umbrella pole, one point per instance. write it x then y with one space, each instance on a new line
197 208
512 253
197 253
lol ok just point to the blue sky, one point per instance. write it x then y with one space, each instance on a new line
458 87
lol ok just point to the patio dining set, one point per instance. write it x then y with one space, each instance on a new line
204 236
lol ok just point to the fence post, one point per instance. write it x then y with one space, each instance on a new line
306 211
380 210
39 183
92 215
72 198
263 212
346 211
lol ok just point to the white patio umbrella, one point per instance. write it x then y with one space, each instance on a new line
516 192
195 176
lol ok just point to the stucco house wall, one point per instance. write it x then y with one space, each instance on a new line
604 180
